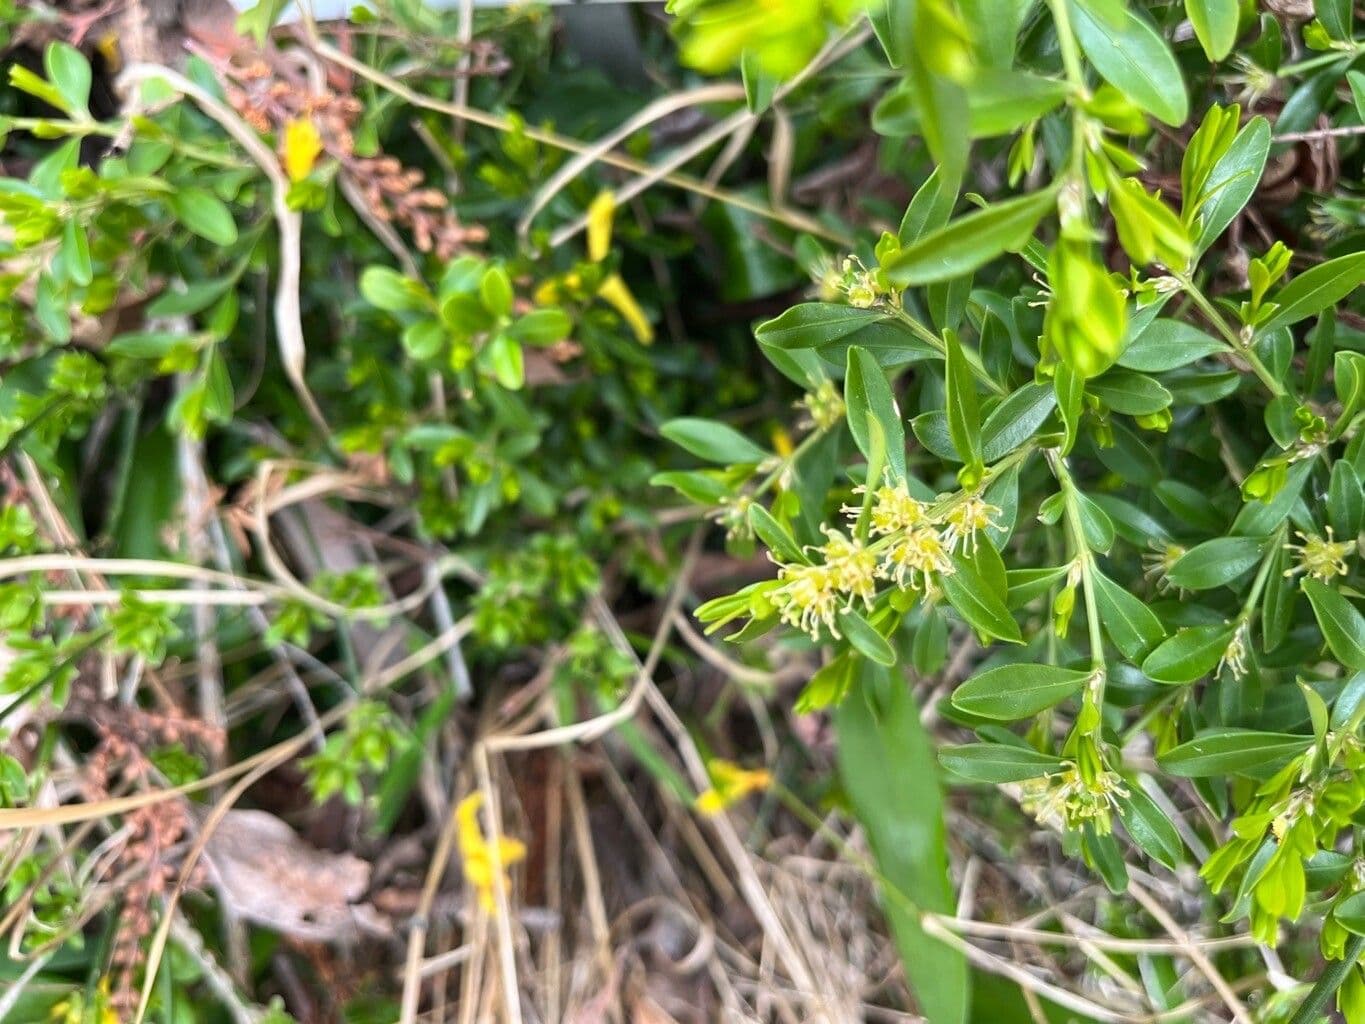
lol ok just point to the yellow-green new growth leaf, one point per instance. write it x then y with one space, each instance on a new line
1215 25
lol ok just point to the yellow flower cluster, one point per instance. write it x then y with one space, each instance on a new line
1070 800
1319 558
485 863
913 544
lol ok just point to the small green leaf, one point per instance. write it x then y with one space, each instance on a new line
1129 393
776 536
1001 101
1190 654
1130 624
997 762
865 638
1215 25
867 395
971 241
887 764
205 215
76 253
1015 420
424 339
1233 181
1168 345
712 441
1316 289
830 328
508 363
1011 692
1350 913
1147 823
980 606
1132 57
964 418
1345 500
1228 751
1216 562
386 289
1342 625
69 71
495 291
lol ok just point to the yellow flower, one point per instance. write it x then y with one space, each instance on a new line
808 598
302 147
730 784
600 215
614 291
967 519
893 509
921 552
485 863
616 294
854 567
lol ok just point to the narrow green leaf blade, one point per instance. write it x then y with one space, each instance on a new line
1010 692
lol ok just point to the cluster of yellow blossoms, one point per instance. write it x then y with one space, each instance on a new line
1321 559
913 542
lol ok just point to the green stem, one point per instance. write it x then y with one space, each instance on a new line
1262 576
1085 556
1312 63
1209 310
806 444
1331 979
1066 41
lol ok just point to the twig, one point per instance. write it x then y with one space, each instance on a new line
791 218
1193 951
1314 134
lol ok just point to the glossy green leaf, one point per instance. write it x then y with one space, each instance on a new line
1168 345
980 606
964 418
1227 751
828 326
1150 828
1216 562
1015 420
865 638
997 762
774 535
867 395
1316 289
1189 655
1132 626
1341 623
1011 692
1233 181
1350 913
970 242
1131 56
1129 393
712 441
1215 25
